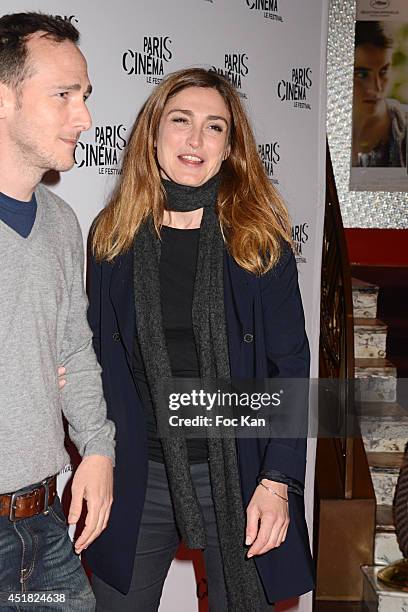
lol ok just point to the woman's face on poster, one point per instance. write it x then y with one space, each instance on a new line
371 76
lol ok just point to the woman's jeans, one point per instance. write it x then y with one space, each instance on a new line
156 547
39 570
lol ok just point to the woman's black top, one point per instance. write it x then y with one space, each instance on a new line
178 262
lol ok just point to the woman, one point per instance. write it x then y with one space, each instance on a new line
379 123
192 275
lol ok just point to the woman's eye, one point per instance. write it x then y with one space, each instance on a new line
179 120
216 128
361 74
62 94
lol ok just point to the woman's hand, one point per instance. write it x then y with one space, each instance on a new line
267 518
61 379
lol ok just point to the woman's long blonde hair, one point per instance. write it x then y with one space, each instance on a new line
252 215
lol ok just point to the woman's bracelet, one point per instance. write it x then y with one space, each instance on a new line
273 492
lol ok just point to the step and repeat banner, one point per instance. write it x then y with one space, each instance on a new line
274 51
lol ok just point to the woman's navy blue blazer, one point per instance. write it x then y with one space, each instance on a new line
269 308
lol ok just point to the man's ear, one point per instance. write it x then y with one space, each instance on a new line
7 100
2 100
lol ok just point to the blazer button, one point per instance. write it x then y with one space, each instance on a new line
116 336
248 337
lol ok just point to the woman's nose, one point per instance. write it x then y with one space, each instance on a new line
195 138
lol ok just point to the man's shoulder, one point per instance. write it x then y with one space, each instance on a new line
56 206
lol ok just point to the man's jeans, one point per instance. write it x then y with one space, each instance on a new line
37 563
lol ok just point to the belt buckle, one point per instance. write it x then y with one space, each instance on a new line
13 507
12 512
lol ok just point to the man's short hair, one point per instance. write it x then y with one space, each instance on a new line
15 30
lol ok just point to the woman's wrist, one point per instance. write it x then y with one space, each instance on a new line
275 488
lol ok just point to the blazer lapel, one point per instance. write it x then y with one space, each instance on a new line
240 286
121 295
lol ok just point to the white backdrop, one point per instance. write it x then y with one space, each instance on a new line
275 52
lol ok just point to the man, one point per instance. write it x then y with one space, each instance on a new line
43 91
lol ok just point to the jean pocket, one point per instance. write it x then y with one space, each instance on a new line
57 513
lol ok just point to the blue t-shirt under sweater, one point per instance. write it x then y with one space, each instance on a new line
20 216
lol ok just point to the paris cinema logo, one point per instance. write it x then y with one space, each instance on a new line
104 151
300 236
270 156
269 8
297 88
151 61
235 69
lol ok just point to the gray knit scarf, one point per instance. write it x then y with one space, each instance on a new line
242 583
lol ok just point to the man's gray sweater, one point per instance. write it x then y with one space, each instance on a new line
43 325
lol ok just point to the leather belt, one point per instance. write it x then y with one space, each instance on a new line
24 505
